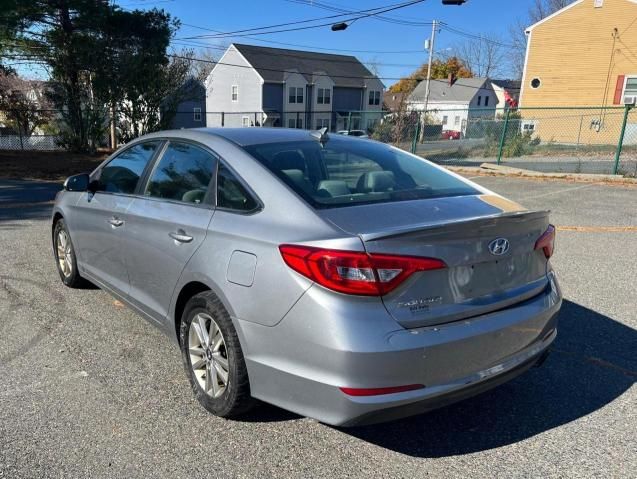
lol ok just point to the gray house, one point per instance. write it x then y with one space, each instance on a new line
190 111
456 102
262 86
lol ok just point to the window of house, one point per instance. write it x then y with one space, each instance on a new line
374 97
231 194
295 94
445 119
479 100
122 173
456 120
486 101
182 174
235 92
323 96
630 87
295 123
196 114
322 123
535 83
245 121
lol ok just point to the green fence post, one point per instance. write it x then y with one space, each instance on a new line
349 122
621 139
504 133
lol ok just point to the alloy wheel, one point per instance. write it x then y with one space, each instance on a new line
208 355
65 259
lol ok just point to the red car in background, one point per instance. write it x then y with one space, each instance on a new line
450 135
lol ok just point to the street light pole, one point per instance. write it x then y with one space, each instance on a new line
434 27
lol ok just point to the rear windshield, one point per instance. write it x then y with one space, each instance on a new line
345 172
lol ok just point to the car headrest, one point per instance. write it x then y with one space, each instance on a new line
288 160
194 196
298 178
333 188
376 181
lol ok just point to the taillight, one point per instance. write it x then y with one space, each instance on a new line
547 241
353 272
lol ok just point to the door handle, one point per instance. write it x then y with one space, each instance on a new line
116 222
180 236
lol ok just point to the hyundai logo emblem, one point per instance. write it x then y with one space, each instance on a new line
499 246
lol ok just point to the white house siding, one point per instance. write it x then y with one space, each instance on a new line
294 111
321 111
219 91
457 114
373 113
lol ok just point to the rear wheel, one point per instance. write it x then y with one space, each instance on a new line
213 358
65 256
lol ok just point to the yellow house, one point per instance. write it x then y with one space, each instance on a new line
584 55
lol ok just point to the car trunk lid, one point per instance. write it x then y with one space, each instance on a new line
458 231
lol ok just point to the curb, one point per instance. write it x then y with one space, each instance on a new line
488 169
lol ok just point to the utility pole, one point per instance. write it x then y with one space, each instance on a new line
432 42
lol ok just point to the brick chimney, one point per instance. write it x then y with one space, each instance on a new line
451 79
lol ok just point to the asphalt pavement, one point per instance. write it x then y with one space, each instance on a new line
89 389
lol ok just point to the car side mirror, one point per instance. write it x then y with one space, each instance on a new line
77 182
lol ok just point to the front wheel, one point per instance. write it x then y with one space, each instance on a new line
65 256
213 358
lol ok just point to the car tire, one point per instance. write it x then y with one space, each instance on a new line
65 258
205 320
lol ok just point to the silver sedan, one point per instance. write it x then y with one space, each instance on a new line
344 280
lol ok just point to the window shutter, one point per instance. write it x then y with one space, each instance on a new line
619 89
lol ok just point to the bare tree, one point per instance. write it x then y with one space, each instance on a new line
24 103
485 57
539 10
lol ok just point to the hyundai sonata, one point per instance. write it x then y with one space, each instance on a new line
344 280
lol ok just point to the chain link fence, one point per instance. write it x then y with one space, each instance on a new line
31 142
574 140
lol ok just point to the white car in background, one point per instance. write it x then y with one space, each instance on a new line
358 133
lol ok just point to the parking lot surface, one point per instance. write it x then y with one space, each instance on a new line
89 389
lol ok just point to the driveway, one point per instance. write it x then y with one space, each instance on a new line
89 389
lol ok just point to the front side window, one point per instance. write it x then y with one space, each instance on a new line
183 173
231 194
374 97
479 100
344 172
196 114
486 101
456 121
445 119
235 92
245 121
122 173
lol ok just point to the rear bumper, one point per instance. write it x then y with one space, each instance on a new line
301 363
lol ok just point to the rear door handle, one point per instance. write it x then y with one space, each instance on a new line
116 222
180 236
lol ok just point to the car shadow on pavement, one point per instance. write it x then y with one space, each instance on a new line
25 200
593 362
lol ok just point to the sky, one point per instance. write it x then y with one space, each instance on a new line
372 38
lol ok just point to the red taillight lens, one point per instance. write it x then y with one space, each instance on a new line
547 241
379 391
353 272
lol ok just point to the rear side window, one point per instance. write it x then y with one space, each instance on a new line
121 174
231 194
183 173
344 171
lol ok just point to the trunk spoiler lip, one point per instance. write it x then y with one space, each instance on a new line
482 220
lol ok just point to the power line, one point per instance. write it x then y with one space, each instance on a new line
457 31
334 8
257 30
